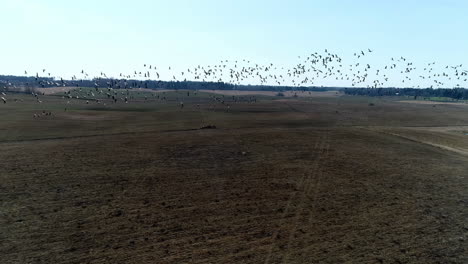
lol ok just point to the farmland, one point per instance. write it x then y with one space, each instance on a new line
313 178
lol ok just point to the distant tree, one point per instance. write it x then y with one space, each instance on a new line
456 93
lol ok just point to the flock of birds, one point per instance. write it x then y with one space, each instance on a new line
314 69
311 70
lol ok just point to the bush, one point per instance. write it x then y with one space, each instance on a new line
280 94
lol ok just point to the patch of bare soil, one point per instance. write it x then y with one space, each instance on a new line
54 90
91 116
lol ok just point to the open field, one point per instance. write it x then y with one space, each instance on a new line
318 179
270 93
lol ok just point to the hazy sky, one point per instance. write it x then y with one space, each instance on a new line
120 36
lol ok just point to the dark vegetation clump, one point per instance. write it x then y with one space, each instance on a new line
208 127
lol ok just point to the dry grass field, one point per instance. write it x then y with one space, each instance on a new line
318 179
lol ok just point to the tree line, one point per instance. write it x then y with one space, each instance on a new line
9 82
28 84
455 93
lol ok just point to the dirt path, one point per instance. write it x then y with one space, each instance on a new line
306 186
444 147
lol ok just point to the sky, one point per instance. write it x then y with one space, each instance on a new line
113 36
